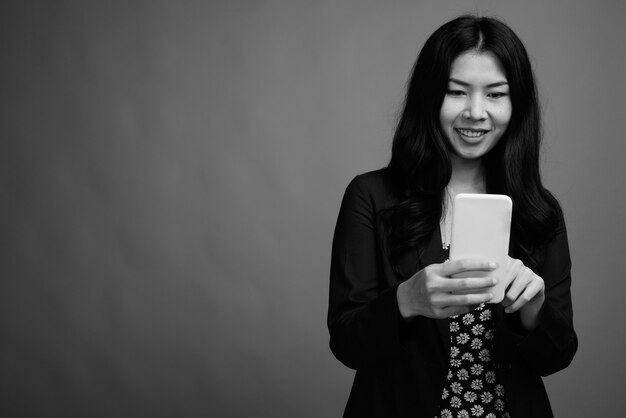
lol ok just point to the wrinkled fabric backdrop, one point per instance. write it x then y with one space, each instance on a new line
171 174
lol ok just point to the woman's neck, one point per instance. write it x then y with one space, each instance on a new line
467 177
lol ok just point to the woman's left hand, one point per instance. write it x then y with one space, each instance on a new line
526 293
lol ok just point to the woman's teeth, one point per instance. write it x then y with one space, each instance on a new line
471 133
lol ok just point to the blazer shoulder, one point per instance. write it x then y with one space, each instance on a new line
377 183
376 186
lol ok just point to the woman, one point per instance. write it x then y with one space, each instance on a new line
470 123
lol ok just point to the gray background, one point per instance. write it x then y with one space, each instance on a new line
171 173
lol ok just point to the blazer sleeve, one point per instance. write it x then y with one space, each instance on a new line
363 316
551 346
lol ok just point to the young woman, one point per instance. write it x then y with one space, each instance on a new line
470 124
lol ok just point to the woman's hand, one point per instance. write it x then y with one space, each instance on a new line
430 291
526 293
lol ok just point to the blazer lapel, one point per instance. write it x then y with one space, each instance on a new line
433 253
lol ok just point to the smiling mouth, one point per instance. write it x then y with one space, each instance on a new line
472 133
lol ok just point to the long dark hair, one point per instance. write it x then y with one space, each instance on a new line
420 162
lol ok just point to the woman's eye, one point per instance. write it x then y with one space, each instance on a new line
496 95
456 92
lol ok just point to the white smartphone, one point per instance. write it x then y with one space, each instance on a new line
481 228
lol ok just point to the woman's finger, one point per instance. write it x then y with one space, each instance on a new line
466 285
460 266
470 299
517 286
533 288
514 278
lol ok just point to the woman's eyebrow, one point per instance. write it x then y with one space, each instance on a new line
463 83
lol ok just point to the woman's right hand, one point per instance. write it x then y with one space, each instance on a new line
431 291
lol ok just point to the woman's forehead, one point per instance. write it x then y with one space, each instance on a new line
474 67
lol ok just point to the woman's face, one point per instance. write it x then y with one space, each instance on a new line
476 109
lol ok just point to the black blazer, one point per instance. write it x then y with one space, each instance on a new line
401 366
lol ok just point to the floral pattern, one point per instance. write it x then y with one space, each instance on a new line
472 389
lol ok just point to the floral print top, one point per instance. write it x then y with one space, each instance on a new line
472 388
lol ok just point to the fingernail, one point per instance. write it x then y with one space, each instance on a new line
492 265
494 280
507 310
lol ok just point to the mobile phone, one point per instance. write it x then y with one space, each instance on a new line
481 228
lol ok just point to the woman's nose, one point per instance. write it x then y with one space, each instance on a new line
475 109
